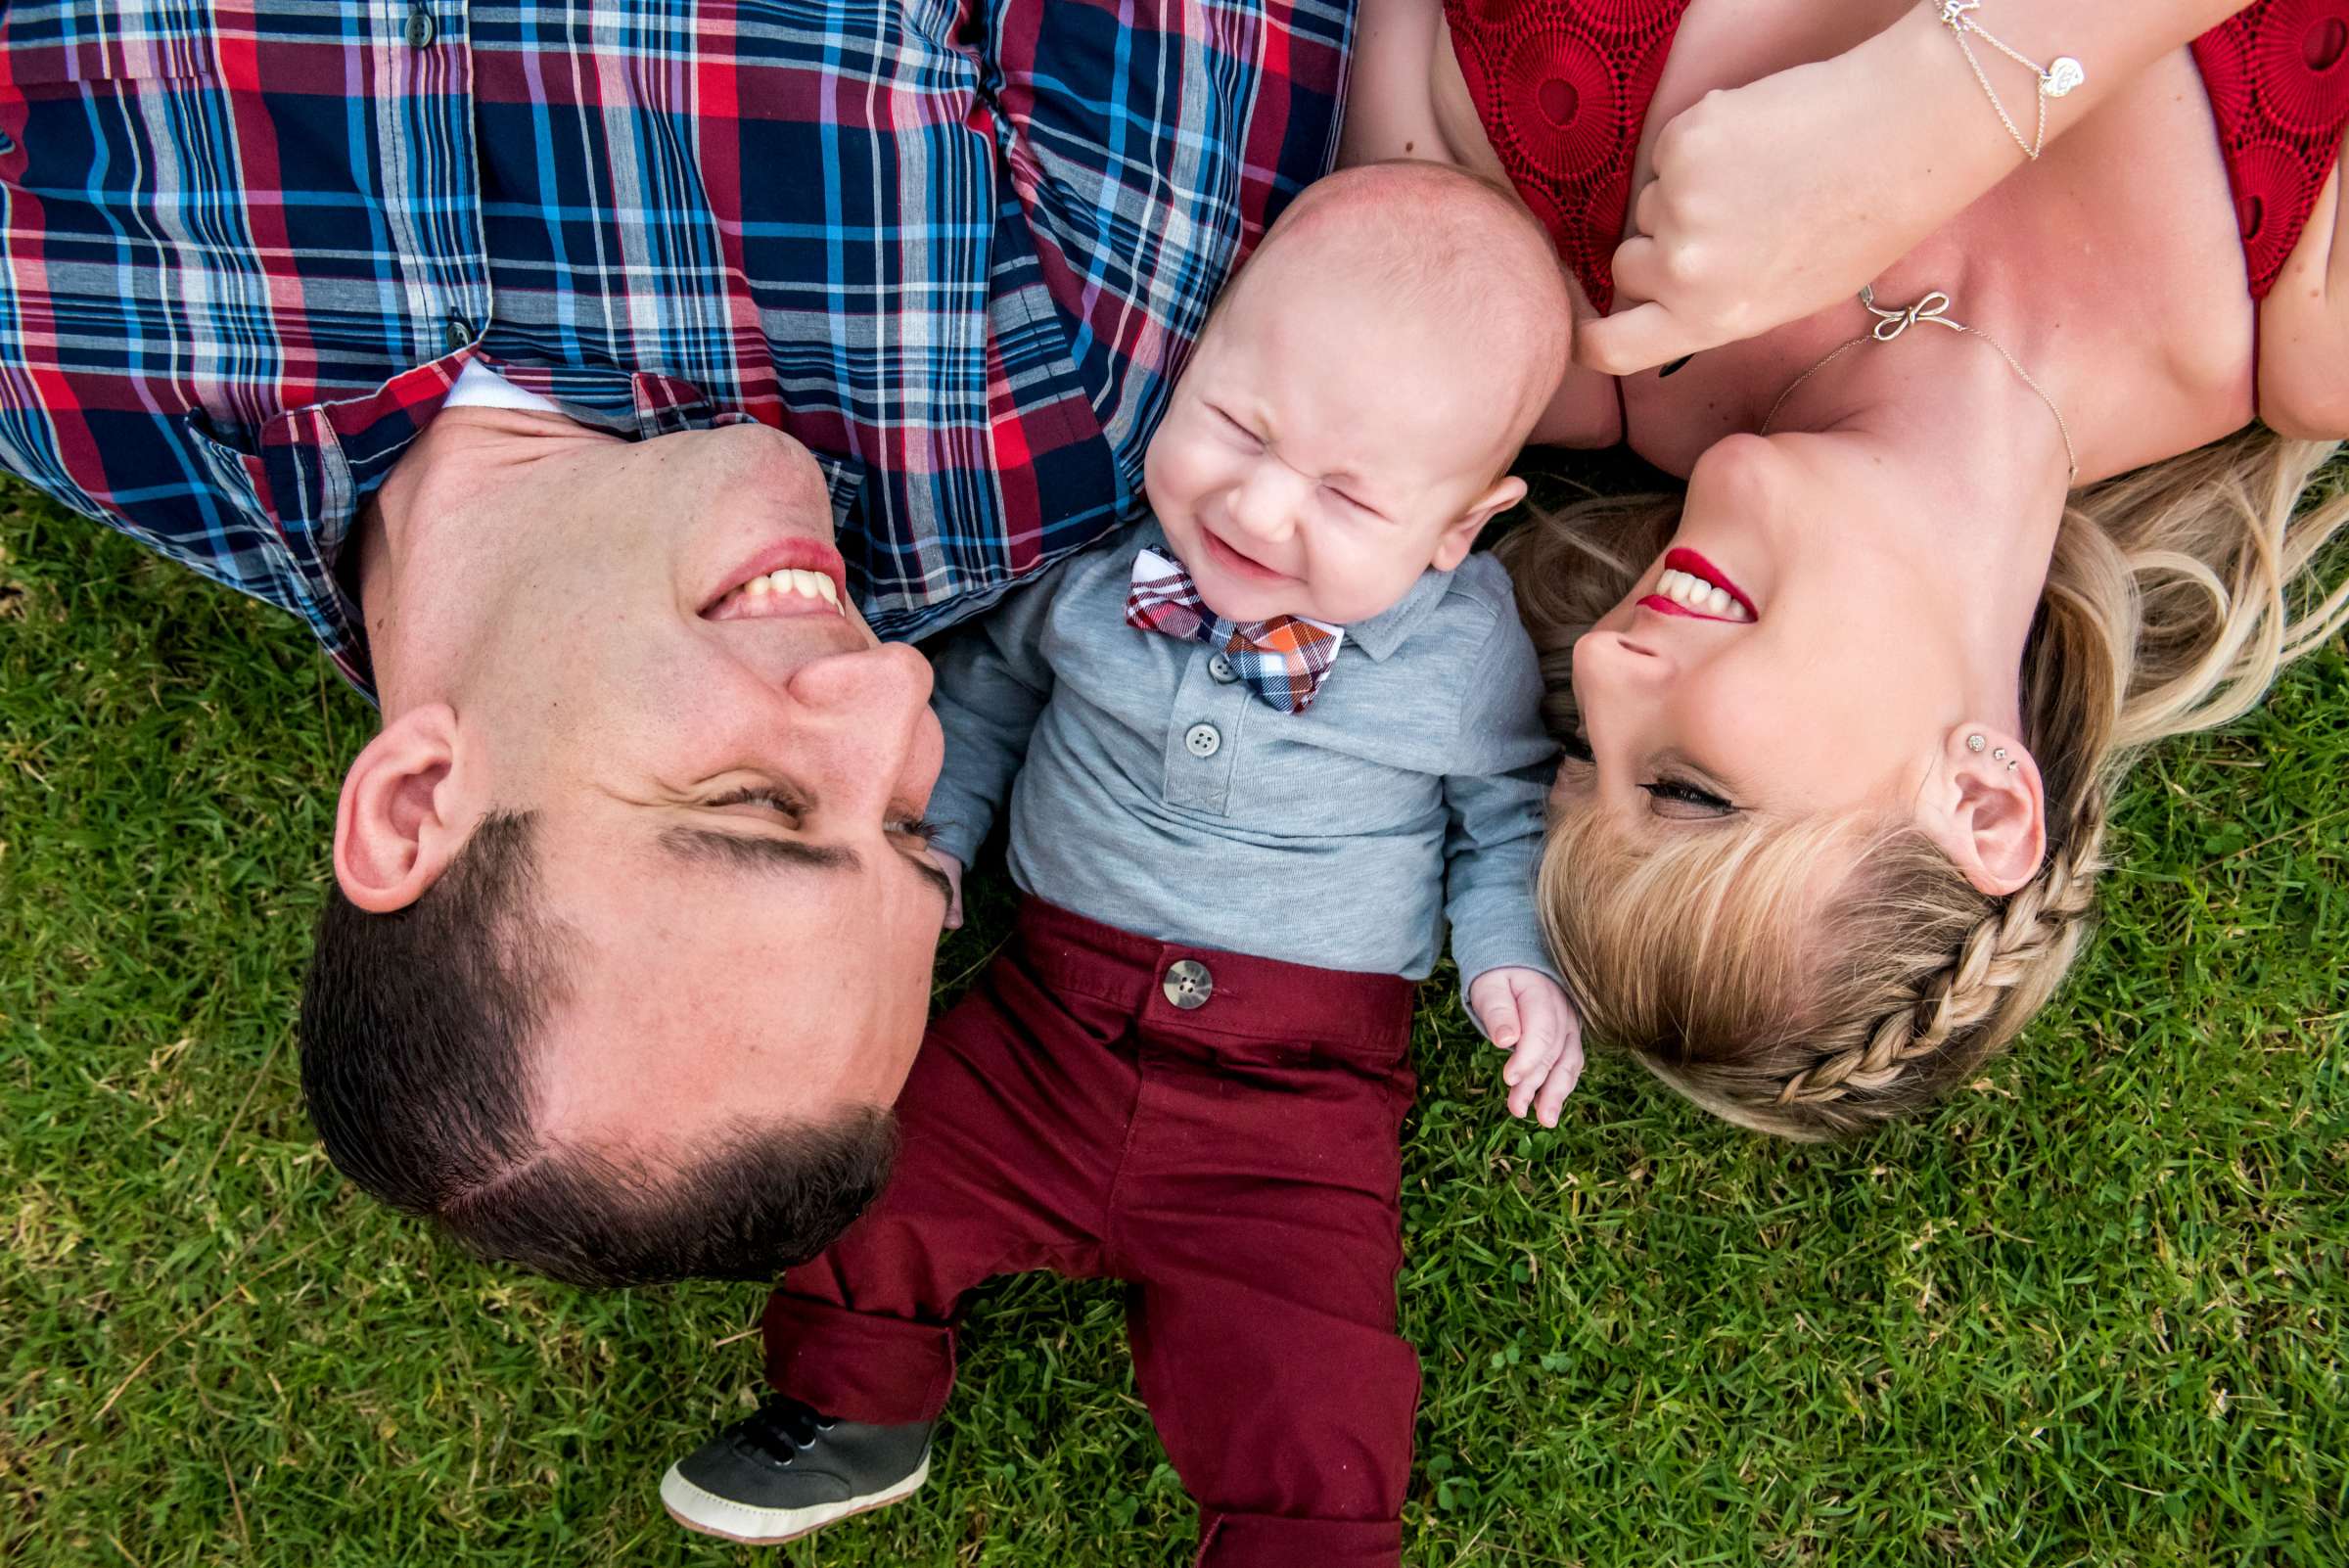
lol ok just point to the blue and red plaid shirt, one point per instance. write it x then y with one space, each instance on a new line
959 249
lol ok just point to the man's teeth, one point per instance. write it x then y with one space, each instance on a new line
807 584
1699 595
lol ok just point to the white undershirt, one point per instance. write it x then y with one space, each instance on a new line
479 387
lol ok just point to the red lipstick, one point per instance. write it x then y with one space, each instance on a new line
1681 558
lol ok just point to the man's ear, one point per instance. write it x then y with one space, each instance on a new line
1986 809
400 819
1454 543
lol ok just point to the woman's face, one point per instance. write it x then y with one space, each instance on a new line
1824 676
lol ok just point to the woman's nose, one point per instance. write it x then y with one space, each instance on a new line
1610 658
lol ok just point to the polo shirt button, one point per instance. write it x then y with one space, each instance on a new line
1187 983
1203 740
455 334
1220 669
8 144
421 27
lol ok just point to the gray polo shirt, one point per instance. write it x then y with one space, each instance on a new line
1156 794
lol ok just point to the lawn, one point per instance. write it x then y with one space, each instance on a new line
2092 1312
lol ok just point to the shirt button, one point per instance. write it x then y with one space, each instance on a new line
1203 740
455 334
1219 667
1187 983
421 27
8 144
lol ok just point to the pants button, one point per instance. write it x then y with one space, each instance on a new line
1187 983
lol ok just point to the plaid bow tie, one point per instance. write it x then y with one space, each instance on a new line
1283 660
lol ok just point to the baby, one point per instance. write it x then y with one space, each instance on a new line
1258 752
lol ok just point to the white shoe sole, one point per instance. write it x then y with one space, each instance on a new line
724 1517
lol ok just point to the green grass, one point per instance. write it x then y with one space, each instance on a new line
2094 1313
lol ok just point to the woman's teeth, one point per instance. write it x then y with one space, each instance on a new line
807 585
1699 595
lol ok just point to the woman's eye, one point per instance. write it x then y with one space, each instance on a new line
1683 792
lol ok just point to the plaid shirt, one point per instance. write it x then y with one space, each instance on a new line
959 249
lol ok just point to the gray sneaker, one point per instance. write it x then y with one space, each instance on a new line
785 1469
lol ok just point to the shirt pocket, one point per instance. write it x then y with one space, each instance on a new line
49 46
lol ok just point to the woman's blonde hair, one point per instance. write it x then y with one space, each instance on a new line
2175 594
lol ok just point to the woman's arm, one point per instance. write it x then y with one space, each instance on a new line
1775 200
2304 327
1391 112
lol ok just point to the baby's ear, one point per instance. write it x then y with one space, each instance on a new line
1457 539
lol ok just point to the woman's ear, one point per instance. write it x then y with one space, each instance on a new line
399 823
1457 539
1985 808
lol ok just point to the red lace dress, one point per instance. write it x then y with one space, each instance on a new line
1563 88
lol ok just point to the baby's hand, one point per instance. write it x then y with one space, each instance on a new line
953 870
1528 1016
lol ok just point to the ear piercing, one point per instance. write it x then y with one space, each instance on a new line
1975 743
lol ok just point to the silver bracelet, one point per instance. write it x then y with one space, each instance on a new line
2055 80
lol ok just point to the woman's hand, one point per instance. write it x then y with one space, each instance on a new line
1773 200
1527 1015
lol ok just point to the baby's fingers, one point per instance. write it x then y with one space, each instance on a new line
1550 1103
1495 1008
1525 1069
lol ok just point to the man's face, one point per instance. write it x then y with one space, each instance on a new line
729 771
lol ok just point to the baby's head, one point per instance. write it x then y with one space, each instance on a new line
1350 415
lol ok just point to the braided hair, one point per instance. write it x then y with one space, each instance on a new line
1818 978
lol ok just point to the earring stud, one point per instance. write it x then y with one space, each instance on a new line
1974 743
2011 766
2000 755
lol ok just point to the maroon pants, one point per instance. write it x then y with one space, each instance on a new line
1235 1160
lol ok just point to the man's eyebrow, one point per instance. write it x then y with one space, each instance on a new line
760 851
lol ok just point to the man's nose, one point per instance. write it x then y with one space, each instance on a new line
866 726
883 685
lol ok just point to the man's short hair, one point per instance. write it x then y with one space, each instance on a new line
416 1035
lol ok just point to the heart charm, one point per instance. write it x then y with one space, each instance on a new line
2063 76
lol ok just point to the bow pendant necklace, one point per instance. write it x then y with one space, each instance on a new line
1932 310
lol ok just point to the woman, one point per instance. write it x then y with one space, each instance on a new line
1823 849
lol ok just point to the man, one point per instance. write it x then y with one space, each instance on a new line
541 356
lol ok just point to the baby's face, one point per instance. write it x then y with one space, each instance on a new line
1325 449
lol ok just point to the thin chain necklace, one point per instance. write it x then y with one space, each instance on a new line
1890 324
